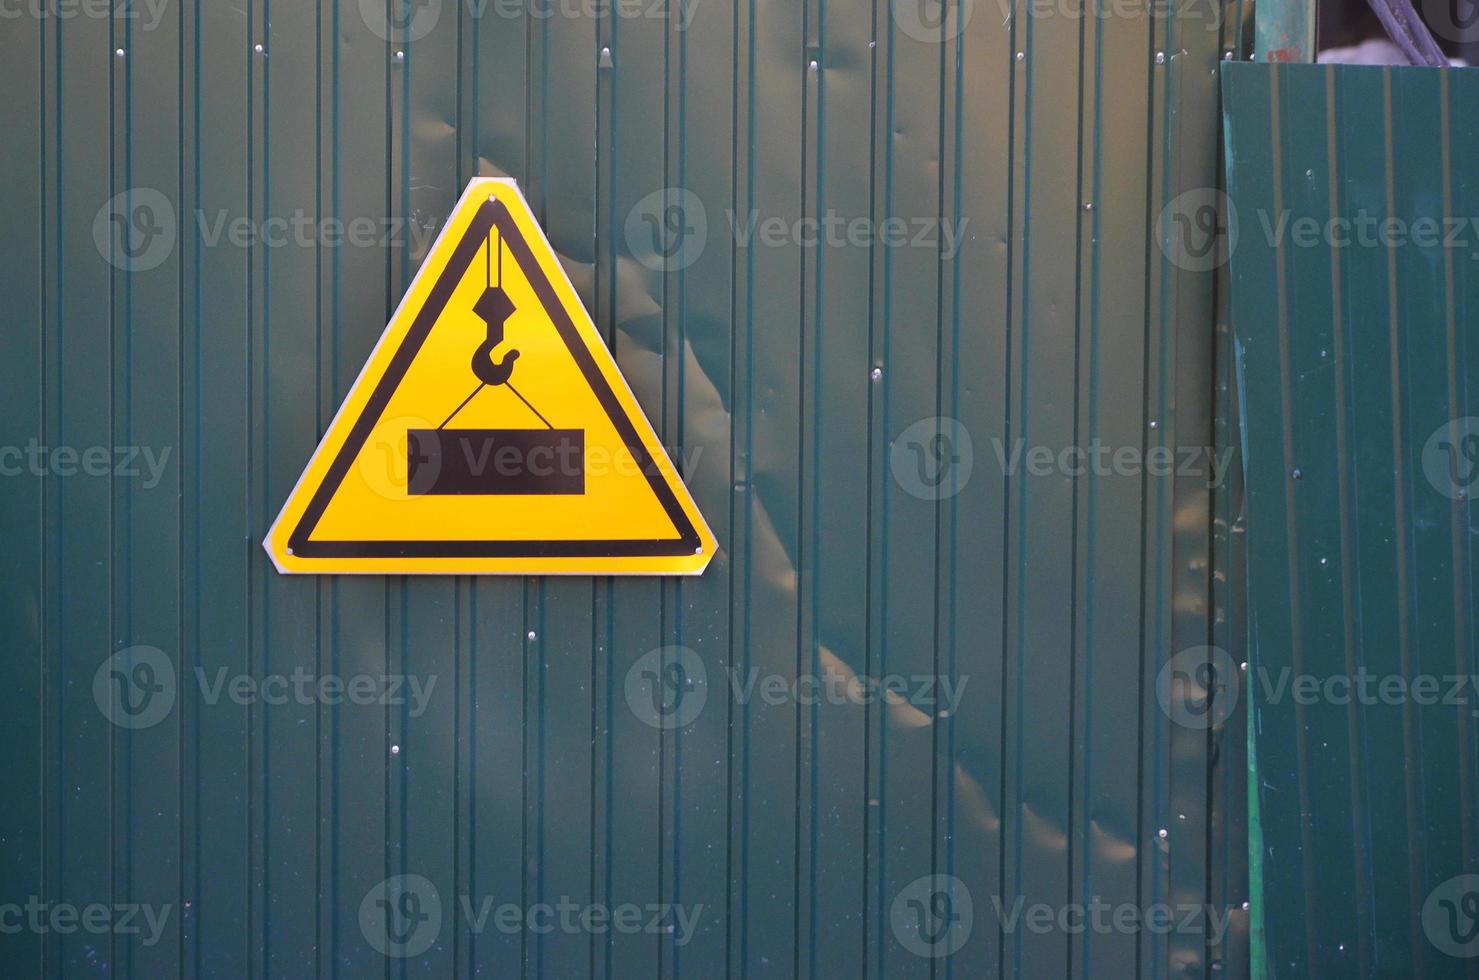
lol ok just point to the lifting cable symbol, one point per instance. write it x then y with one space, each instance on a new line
495 461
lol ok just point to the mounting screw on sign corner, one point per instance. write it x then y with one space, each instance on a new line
490 431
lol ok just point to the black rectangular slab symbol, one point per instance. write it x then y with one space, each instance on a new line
495 461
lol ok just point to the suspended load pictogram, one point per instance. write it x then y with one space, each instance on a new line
490 431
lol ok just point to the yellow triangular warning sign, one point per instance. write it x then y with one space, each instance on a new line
490 431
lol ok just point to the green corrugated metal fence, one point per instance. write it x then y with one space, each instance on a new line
788 375
1352 287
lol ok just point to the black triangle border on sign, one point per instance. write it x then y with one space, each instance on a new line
491 213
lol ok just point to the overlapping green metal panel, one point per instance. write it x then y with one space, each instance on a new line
1353 296
786 374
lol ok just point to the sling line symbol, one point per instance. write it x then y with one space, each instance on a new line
503 460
